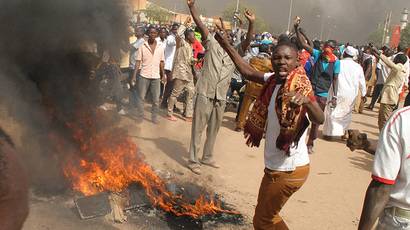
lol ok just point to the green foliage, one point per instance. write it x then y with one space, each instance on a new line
376 37
260 24
155 13
405 37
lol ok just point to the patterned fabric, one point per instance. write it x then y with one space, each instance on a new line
292 120
329 55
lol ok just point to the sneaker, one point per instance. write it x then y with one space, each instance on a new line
122 112
155 120
172 118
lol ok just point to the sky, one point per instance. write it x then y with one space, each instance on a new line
343 20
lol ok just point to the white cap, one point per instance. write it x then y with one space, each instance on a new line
351 51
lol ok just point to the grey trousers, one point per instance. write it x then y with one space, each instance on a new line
179 86
207 112
143 86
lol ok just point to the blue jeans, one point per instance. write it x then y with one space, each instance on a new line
143 86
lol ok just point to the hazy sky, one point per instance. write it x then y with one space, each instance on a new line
350 20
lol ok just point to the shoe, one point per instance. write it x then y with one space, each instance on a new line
310 150
155 120
195 168
122 112
211 164
188 119
172 118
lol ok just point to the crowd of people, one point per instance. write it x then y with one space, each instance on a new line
284 85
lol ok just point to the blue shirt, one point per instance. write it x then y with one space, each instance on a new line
325 64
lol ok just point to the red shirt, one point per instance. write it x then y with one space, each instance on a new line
198 48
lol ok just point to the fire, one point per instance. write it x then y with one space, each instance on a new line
110 162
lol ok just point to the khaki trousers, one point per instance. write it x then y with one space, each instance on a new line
207 113
179 86
385 112
276 188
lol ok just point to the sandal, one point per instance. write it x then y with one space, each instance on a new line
195 168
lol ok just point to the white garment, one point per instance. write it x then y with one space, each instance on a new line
276 159
134 51
350 81
385 71
160 42
170 49
392 159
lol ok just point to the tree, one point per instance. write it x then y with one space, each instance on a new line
405 37
260 25
155 13
376 37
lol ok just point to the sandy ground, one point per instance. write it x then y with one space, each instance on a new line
330 199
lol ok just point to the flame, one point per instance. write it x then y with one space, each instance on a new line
110 162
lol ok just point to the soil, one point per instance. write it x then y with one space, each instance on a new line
331 198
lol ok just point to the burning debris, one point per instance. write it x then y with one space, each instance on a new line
51 91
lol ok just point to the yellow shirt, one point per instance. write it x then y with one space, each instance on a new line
394 82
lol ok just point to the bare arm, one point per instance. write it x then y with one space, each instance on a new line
377 196
244 68
300 37
136 71
309 42
195 15
315 113
251 19
162 70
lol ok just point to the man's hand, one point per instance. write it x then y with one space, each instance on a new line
297 21
297 99
190 3
221 35
188 21
250 16
333 102
364 99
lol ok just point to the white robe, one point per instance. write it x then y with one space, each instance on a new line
350 81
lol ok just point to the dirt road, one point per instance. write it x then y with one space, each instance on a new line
331 198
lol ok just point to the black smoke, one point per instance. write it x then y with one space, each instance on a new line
48 50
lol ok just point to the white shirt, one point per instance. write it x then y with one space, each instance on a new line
351 79
276 159
392 158
170 48
385 71
134 51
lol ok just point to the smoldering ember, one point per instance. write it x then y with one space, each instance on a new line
137 114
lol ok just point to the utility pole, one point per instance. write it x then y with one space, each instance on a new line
290 15
236 13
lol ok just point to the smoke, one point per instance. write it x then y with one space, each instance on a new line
46 57
354 20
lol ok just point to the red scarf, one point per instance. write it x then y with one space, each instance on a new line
293 121
328 54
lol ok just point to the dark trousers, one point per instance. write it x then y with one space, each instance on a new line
314 129
376 95
168 89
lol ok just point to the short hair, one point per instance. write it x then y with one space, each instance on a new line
400 58
287 43
151 27
187 32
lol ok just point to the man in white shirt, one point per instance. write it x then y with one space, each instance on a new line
139 33
351 80
388 195
170 48
285 171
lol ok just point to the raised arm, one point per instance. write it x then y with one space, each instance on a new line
244 68
300 37
195 15
251 19
303 32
